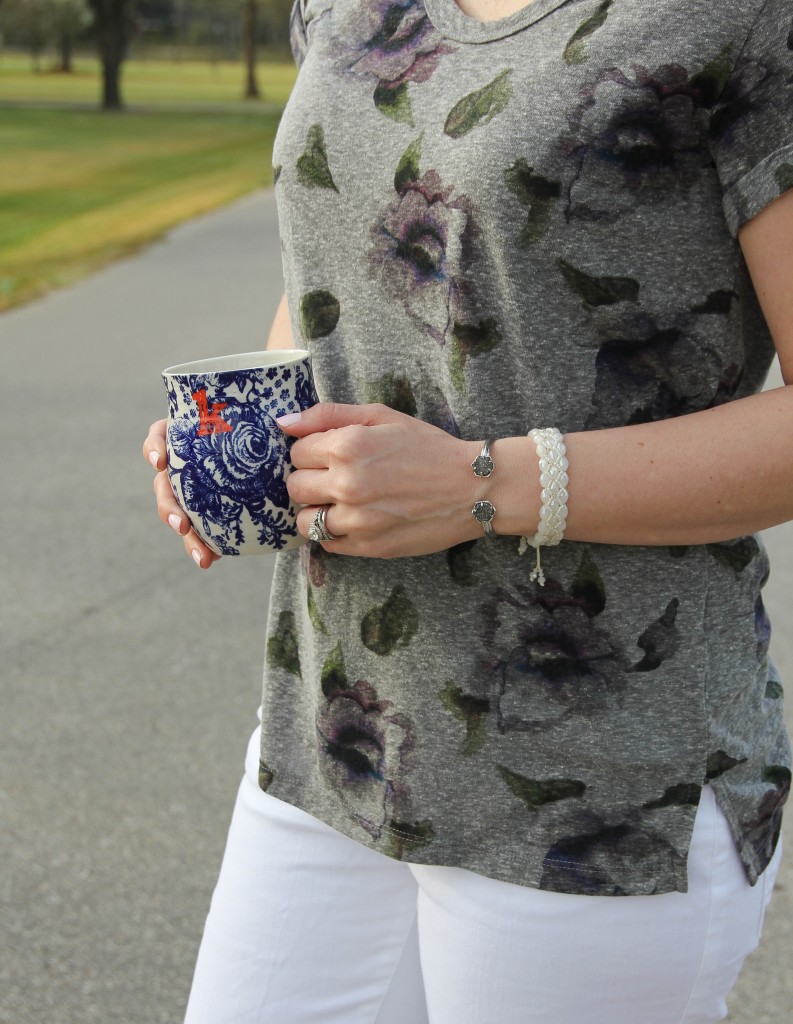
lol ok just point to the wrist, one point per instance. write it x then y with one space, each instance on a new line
513 487
516 487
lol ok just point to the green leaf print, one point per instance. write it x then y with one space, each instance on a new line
408 166
395 392
588 587
266 776
684 794
405 834
777 774
784 177
334 674
659 641
736 556
720 762
313 170
390 625
537 792
710 81
313 612
469 341
773 690
470 710
598 291
319 314
718 302
537 193
477 108
282 650
575 51
458 559
394 102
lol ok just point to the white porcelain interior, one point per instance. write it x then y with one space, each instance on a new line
241 361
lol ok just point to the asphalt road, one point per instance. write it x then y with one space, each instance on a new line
129 681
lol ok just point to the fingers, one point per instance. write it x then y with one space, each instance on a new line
198 551
172 515
309 487
331 415
167 506
154 445
305 517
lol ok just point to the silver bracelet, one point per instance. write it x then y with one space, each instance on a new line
554 479
483 466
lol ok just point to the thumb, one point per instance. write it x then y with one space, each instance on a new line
330 415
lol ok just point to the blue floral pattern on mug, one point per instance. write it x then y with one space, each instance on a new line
228 461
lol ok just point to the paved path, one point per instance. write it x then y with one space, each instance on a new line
129 682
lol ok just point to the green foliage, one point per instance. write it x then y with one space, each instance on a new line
319 314
477 108
34 23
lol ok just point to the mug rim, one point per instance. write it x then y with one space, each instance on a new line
239 362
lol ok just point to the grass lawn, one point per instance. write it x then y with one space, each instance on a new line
78 189
157 82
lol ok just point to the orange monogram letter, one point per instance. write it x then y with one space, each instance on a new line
210 422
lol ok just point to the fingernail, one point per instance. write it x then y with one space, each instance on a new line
175 521
197 557
154 458
289 419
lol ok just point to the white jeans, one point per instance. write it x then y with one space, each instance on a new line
307 926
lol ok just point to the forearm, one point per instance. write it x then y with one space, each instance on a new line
695 479
280 335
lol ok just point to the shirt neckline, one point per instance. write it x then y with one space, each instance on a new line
448 19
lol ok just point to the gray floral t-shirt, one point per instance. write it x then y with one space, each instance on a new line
500 225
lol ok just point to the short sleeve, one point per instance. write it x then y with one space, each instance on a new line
751 125
297 32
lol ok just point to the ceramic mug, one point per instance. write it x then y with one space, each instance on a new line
228 460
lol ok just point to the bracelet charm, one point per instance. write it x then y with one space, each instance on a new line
483 512
483 466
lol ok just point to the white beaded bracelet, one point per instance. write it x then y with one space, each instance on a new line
553 478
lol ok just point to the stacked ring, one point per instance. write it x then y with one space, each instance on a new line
318 531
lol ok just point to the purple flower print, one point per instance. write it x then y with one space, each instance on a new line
761 832
387 41
364 752
654 367
600 853
549 659
419 251
634 137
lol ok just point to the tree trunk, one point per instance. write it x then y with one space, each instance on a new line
112 27
65 49
249 49
111 83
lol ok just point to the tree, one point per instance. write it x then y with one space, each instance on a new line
114 24
68 18
249 48
26 22
35 22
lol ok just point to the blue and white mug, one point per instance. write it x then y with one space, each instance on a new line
228 460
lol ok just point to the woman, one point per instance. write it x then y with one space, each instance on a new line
574 214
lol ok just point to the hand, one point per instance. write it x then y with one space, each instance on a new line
167 506
397 486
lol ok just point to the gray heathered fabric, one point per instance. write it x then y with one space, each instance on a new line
525 223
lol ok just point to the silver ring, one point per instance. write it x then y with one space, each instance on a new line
318 531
